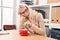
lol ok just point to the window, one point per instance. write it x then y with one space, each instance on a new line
7 16
8 3
8 12
0 2
7 9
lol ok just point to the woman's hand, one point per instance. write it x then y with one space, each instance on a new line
28 24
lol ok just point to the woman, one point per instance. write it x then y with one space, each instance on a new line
31 20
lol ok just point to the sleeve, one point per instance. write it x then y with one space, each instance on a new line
22 26
40 29
22 20
30 30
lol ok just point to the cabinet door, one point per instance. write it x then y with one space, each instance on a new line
58 10
53 1
54 15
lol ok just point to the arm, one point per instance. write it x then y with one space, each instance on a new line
22 20
40 29
22 24
27 24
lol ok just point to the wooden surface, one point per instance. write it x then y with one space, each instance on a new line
58 10
14 35
53 1
54 15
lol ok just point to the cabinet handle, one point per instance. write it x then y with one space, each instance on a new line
57 20
52 20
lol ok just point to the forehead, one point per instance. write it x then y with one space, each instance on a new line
22 6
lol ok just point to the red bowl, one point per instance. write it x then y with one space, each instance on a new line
23 32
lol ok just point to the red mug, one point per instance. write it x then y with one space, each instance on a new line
23 32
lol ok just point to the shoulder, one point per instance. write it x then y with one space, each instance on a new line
36 14
39 15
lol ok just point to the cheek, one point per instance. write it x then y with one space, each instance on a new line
26 14
21 11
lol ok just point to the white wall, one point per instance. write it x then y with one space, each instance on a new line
42 2
17 16
0 17
0 14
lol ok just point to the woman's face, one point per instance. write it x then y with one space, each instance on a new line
22 10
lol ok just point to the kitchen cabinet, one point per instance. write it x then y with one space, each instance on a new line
55 15
58 14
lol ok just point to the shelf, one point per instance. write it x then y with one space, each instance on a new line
47 5
55 25
55 4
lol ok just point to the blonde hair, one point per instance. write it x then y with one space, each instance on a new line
29 8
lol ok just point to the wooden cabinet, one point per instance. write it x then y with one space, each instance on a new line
55 16
58 14
53 1
37 2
